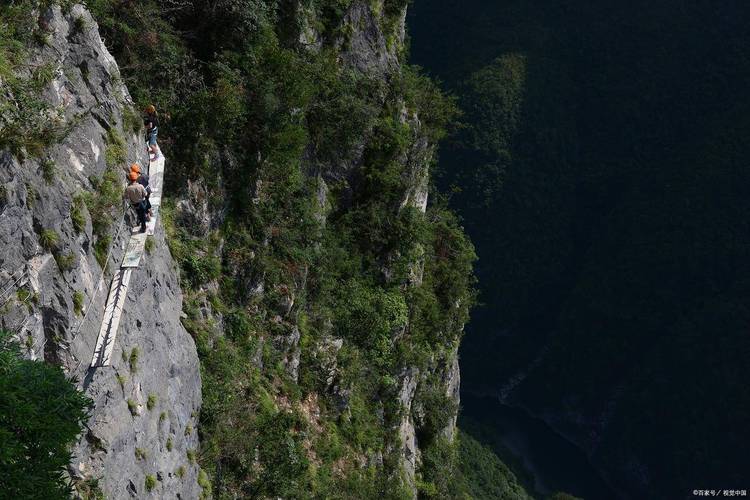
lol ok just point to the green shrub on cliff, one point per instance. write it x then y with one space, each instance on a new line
41 416
482 473
27 123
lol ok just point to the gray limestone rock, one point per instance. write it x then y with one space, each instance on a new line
325 354
452 383
195 213
289 346
410 455
55 288
417 160
366 46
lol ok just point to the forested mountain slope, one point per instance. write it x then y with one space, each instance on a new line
602 177
324 294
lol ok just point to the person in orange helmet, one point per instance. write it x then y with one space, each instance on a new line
143 181
135 193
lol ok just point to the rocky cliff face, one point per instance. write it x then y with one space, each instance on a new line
369 40
374 44
147 402
285 367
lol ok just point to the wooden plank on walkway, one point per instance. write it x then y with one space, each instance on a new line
151 224
156 183
111 321
135 250
156 175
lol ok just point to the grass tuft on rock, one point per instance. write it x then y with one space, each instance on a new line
78 303
49 239
133 407
133 360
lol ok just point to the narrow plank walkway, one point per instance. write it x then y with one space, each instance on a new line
118 291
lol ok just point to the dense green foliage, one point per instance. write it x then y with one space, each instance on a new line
27 123
484 475
602 176
467 469
260 123
41 416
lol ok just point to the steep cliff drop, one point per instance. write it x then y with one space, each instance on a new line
58 220
326 296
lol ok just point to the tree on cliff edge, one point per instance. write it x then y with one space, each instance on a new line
41 415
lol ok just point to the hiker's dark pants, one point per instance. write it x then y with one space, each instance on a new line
140 210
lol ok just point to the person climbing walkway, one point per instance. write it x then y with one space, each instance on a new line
135 193
151 122
143 181
135 251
